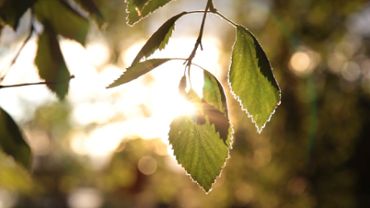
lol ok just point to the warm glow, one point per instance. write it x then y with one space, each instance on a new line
143 108
304 61
300 62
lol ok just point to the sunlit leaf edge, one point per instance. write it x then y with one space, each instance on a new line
148 48
128 22
120 80
230 148
237 98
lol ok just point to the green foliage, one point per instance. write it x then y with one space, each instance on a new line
138 9
12 10
251 79
158 40
65 22
50 62
12 141
201 142
199 149
137 70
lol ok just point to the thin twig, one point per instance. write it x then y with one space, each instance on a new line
32 83
198 42
24 43
216 12
192 63
225 18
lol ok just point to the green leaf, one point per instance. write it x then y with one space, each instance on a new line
12 141
214 105
12 10
138 9
214 93
159 39
137 70
251 79
199 149
201 142
63 19
50 62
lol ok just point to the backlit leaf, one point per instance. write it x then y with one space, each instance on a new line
12 10
158 40
12 141
137 70
213 92
138 9
201 141
251 79
63 19
50 62
214 105
199 149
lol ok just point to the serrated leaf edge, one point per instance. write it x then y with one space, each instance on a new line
123 73
140 55
230 147
237 98
144 17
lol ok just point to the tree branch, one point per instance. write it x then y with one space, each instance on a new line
33 83
198 42
20 49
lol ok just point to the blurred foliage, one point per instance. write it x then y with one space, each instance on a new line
314 153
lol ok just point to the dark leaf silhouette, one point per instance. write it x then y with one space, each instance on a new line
50 62
12 10
12 141
66 22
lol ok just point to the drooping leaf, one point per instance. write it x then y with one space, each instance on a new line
199 149
12 10
182 86
214 105
50 62
251 79
201 141
137 70
12 141
213 92
63 19
159 39
138 9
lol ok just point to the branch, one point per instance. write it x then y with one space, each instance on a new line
33 83
20 49
198 43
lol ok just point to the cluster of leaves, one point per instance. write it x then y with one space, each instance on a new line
58 18
201 142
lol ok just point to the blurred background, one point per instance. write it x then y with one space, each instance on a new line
108 147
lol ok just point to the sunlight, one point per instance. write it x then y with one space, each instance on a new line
143 108
102 118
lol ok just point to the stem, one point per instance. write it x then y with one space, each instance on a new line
198 42
225 18
20 49
192 63
215 12
32 83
